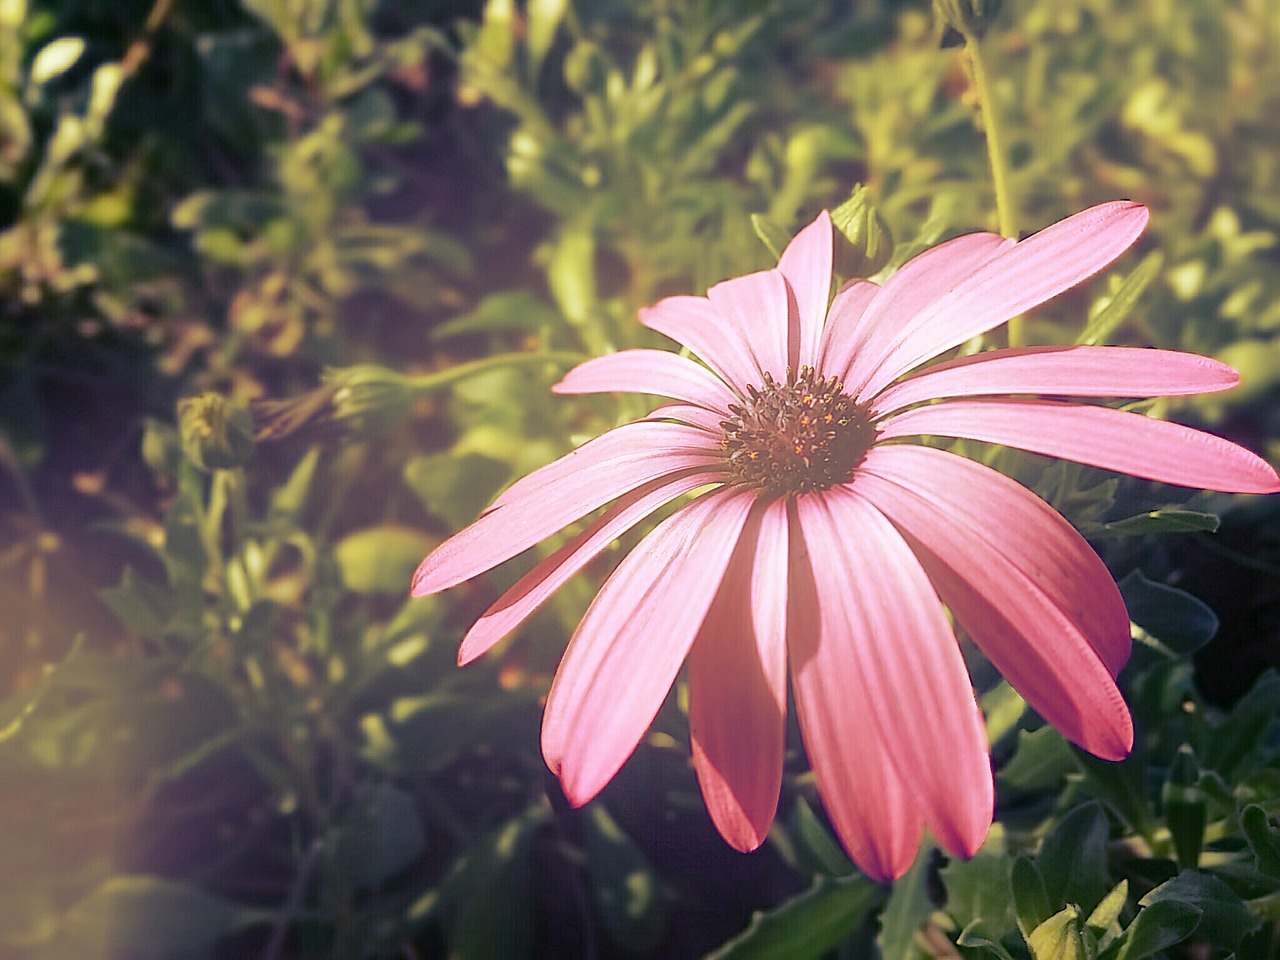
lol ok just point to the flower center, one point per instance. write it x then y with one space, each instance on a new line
800 436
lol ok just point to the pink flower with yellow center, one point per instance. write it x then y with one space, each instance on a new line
822 542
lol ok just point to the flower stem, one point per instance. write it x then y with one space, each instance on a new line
1005 217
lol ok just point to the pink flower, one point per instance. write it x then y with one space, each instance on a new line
823 543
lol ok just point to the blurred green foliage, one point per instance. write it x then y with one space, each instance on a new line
283 285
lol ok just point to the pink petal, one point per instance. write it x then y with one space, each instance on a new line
886 667
657 372
1099 436
738 684
628 648
695 323
806 264
566 490
1031 547
704 419
844 331
756 309
1009 610
1024 276
536 586
1065 371
921 282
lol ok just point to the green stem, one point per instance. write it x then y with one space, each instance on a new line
995 149
996 155
431 382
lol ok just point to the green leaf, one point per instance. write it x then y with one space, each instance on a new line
625 888
1030 900
1104 922
499 312
141 606
381 559
1163 520
774 238
455 487
817 843
1043 759
808 925
1224 919
1110 317
492 894
1178 620
1263 839
1073 858
1157 927
1061 937
381 835
146 918
1184 807
979 897
908 908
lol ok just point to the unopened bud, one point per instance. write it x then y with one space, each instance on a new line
370 396
970 18
867 243
217 433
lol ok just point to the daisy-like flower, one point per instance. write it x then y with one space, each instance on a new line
823 542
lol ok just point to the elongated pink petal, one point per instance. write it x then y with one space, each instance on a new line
1062 371
806 263
614 453
657 372
1099 436
756 309
695 323
844 332
1029 545
564 491
625 654
1008 610
1024 276
702 418
896 679
921 282
1028 590
536 586
738 684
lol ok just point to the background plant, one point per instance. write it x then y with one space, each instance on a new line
283 286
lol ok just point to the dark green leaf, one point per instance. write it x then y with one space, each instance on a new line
1030 900
979 897
908 908
1164 520
1225 918
625 888
455 487
808 925
820 848
380 836
1156 927
1263 838
1178 620
146 918
1073 859
1042 759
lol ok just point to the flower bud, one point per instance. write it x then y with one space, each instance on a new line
968 17
217 432
868 244
369 396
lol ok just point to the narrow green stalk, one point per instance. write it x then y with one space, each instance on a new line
1005 217
991 128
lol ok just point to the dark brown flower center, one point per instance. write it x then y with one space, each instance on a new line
800 436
